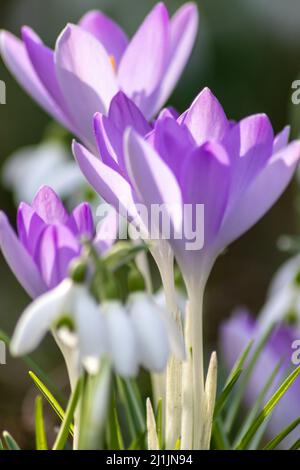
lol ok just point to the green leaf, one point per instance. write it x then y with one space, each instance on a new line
178 444
62 436
32 365
221 401
138 443
219 437
10 442
239 362
267 409
296 445
236 402
132 402
40 434
1 445
282 435
50 398
257 404
159 422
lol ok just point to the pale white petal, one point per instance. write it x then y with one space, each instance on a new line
122 342
152 338
38 318
90 324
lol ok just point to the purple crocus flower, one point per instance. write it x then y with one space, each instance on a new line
95 59
236 170
47 240
235 334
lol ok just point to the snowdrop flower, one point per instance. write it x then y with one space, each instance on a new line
71 313
48 240
136 334
283 300
93 60
48 164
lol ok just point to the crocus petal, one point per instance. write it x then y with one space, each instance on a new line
90 324
152 340
30 226
144 61
81 221
107 232
56 249
183 31
110 130
121 338
205 170
249 145
281 139
109 33
19 260
49 206
39 317
206 118
42 59
262 193
16 59
106 182
172 142
153 181
85 76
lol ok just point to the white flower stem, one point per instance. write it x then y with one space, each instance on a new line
164 258
194 404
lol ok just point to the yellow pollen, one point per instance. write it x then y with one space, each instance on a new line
113 62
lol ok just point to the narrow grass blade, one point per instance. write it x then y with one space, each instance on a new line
219 437
238 366
246 439
64 429
40 433
282 435
10 442
296 445
235 405
50 398
221 401
1 445
257 404
32 365
131 400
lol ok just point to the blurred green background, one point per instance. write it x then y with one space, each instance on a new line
248 53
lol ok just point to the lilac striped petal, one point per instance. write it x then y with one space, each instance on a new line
172 141
85 75
144 61
107 232
205 179
108 183
109 33
206 118
57 247
109 130
261 194
81 221
30 226
16 59
249 145
42 59
183 31
151 178
19 260
281 139
49 206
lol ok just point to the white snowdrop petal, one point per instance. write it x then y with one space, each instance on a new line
90 324
122 341
152 338
38 318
